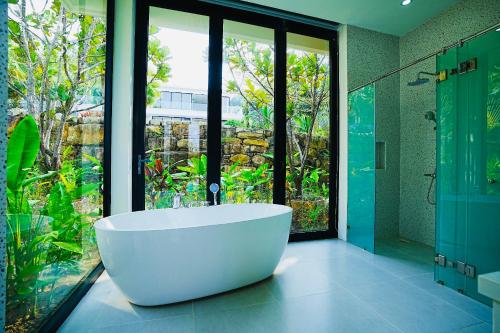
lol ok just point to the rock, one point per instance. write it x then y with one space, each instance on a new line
183 143
156 130
85 134
231 140
249 135
256 142
258 160
73 136
180 130
236 149
91 134
257 149
240 158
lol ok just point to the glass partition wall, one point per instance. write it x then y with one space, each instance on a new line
240 101
56 187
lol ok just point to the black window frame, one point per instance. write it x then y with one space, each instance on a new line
217 14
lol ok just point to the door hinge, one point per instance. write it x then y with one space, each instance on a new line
468 66
440 260
465 269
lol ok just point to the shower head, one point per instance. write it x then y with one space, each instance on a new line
421 80
418 81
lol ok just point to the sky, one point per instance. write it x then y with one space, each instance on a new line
187 52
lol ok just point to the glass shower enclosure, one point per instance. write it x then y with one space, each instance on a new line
468 164
467 216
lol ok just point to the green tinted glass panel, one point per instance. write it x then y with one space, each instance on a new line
361 168
450 164
483 171
468 148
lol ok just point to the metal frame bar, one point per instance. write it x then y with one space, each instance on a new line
430 55
214 114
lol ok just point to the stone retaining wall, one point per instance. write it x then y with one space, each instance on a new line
180 140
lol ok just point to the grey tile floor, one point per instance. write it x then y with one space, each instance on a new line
319 286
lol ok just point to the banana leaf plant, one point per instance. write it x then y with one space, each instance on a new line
32 236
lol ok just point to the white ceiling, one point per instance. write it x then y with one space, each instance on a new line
387 16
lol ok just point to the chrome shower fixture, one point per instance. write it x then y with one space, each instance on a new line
421 80
431 116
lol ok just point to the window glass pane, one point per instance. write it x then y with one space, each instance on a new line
307 132
176 100
199 102
166 97
186 101
247 129
176 137
56 98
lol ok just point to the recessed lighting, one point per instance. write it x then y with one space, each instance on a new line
405 2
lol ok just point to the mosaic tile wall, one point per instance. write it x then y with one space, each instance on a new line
417 219
3 149
383 51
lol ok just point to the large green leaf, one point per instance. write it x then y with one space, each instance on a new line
59 205
70 246
22 150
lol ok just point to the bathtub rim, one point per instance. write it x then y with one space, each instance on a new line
98 224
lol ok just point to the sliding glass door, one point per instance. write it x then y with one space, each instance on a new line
308 132
175 157
247 113
238 100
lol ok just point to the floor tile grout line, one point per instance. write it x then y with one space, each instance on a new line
372 308
448 302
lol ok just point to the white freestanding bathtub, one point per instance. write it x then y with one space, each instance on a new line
172 255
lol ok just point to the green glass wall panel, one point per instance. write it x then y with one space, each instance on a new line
468 180
483 190
361 168
450 174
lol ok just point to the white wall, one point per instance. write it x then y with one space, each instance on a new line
123 83
342 204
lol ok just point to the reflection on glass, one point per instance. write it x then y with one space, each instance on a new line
247 114
307 132
55 149
176 113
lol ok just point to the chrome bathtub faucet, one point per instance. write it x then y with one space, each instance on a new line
214 188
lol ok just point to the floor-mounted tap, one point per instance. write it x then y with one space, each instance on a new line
214 188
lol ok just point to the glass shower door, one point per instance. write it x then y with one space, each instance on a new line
450 184
483 191
361 168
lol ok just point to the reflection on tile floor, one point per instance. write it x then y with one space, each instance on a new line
319 286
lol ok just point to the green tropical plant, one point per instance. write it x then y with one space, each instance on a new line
252 67
37 241
57 61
